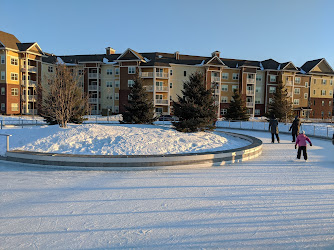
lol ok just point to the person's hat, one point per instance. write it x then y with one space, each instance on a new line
303 132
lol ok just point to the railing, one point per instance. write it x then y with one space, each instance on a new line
146 74
92 75
249 80
161 101
288 83
30 69
31 112
93 100
92 87
250 92
215 79
31 98
148 88
161 88
31 83
7 139
161 75
249 104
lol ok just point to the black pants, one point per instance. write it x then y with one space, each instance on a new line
294 136
273 139
300 149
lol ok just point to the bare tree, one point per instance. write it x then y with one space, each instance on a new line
63 100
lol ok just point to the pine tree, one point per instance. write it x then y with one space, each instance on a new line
237 109
281 105
195 109
140 108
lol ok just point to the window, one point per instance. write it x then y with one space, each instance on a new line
331 93
116 109
116 71
224 87
3 75
272 89
131 70
116 96
322 114
296 101
109 96
324 82
305 95
129 97
117 84
223 111
323 92
130 83
14 61
171 72
257 89
184 73
257 112
314 103
257 100
109 84
50 69
297 80
234 87
15 106
314 92
2 59
315 81
15 91
329 114
270 100
258 78
306 84
235 76
331 82
3 107
224 99
3 91
109 71
80 72
225 76
322 103
272 78
297 90
330 103
14 76
158 97
170 85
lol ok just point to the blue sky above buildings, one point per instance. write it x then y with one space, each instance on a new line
285 30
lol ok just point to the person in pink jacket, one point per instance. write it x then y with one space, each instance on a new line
301 142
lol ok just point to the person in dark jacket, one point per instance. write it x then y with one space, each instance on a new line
333 140
273 128
295 126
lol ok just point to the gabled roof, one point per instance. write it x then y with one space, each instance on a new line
270 64
130 54
215 61
8 40
288 66
310 65
24 46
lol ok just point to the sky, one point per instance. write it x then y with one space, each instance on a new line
285 30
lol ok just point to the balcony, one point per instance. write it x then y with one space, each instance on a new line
148 88
216 92
249 92
32 69
249 104
161 101
31 98
161 75
30 83
288 83
93 100
215 79
251 80
147 74
161 88
92 75
92 87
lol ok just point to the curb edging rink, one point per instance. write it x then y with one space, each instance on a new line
137 162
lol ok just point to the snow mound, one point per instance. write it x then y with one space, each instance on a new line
93 139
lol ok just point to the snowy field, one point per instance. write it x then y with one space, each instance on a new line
271 202
115 139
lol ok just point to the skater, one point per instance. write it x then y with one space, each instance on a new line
295 126
333 140
273 128
301 142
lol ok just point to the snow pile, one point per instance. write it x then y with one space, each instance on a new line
116 139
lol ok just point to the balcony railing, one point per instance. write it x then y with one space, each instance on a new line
288 83
249 104
161 101
161 75
30 83
30 69
93 100
161 88
149 88
250 92
147 74
31 98
92 75
215 79
92 87
250 80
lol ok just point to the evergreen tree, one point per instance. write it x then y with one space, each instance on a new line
195 109
140 108
281 105
237 109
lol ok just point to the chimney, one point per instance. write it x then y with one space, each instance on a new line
216 53
177 55
110 51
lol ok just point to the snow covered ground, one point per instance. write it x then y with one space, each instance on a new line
271 202
115 139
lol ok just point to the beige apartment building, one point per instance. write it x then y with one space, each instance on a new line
107 79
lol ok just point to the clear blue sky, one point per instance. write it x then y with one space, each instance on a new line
285 30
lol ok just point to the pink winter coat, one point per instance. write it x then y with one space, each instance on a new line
301 140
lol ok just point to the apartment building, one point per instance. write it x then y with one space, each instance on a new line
107 79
